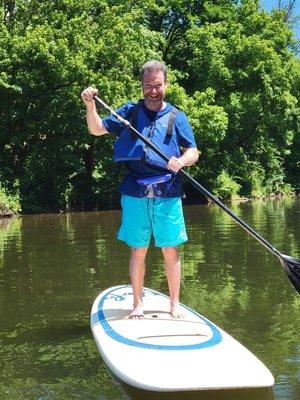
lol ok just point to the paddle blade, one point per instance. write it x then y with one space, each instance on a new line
292 268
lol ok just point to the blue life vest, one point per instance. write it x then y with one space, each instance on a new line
161 132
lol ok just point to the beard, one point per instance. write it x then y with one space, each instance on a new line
154 101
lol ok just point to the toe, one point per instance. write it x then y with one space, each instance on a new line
137 313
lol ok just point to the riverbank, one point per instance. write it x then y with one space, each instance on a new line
9 204
7 212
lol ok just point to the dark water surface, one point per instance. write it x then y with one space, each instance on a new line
53 266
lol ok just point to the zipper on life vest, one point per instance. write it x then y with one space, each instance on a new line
151 130
150 133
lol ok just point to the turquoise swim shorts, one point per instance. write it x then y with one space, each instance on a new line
142 217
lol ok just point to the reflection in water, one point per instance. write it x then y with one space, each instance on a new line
53 266
255 394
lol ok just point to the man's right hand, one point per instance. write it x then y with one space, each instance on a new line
93 119
88 96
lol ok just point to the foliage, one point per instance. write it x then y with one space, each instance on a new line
292 160
232 70
226 187
245 59
9 203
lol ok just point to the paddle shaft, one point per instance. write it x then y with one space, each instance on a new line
196 184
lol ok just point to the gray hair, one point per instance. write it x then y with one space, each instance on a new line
154 65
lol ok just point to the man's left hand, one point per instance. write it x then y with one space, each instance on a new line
174 164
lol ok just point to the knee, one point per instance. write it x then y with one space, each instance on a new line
138 252
170 253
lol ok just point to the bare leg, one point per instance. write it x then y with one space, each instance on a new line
137 273
173 273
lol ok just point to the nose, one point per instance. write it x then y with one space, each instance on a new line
153 89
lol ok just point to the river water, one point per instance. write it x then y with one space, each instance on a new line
53 266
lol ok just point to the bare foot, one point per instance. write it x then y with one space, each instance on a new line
137 312
175 309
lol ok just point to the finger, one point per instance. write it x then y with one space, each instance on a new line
89 93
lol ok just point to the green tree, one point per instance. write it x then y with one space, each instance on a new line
244 57
292 161
232 69
50 51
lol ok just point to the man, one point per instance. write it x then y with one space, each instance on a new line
151 191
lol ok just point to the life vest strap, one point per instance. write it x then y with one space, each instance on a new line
134 118
171 120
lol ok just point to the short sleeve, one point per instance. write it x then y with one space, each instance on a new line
184 131
112 124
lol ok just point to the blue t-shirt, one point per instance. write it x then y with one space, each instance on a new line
138 169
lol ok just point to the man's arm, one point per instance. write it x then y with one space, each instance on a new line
189 157
94 122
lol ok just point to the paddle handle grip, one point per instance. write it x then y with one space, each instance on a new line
106 106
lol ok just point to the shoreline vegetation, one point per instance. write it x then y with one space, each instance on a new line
9 204
9 210
234 69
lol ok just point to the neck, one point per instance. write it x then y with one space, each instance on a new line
155 107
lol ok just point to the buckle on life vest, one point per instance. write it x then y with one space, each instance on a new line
151 180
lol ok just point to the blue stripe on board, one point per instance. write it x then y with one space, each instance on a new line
99 317
94 318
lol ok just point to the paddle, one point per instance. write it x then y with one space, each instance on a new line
290 264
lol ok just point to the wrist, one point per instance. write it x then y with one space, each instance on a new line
90 105
181 162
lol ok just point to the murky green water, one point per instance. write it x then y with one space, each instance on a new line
53 266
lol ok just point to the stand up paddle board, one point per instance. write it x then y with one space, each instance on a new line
161 353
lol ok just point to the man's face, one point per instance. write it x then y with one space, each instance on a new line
154 89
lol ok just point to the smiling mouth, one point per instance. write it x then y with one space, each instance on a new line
154 97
